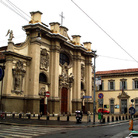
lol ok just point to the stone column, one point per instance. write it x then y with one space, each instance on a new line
8 81
54 77
34 70
34 52
76 93
88 80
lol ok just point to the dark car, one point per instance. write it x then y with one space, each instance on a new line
103 111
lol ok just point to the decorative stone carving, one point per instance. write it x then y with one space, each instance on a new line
10 33
65 79
42 91
44 60
18 75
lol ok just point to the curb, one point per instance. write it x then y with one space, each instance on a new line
66 126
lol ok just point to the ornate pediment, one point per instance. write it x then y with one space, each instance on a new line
123 95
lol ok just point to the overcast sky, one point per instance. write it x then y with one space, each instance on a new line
119 18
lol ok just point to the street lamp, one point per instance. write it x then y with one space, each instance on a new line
94 108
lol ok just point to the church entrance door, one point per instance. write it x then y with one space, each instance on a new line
64 100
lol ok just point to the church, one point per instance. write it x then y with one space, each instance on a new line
47 61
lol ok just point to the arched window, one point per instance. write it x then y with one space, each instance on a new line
42 78
64 58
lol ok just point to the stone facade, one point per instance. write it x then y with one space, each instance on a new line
48 60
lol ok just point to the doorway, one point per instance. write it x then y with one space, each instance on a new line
64 100
123 106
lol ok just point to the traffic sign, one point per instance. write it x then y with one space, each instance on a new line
87 97
132 110
47 94
100 95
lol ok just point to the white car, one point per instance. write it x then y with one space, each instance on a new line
133 134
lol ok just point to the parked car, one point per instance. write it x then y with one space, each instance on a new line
133 134
103 111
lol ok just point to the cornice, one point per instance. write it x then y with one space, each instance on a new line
10 53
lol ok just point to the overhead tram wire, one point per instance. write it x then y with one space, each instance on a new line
14 6
13 10
105 32
116 58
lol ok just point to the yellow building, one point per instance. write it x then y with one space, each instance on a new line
118 88
48 61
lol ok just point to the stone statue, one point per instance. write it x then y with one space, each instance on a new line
10 33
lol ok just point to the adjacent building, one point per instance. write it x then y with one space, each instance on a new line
48 60
118 87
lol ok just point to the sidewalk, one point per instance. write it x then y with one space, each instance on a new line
52 122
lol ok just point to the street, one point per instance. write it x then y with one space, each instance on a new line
114 130
119 130
26 131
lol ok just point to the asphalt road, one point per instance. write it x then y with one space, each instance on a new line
119 130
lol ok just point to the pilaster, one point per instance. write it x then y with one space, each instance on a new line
34 52
54 69
77 76
88 76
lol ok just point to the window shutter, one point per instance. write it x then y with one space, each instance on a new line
108 85
102 85
126 84
133 84
120 85
114 85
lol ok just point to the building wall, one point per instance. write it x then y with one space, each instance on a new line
113 94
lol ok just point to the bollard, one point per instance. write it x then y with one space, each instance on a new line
13 115
53 114
112 118
58 118
119 117
47 116
67 117
108 119
38 116
20 115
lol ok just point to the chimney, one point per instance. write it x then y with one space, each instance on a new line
63 31
35 17
87 45
76 39
54 26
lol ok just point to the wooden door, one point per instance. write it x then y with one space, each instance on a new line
64 100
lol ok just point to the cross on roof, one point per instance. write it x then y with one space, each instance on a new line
62 18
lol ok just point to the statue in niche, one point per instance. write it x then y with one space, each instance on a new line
65 72
82 71
42 91
44 60
64 78
18 74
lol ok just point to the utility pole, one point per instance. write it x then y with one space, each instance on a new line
94 108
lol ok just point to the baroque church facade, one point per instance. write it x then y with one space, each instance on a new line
50 61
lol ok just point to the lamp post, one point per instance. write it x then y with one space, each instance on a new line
94 108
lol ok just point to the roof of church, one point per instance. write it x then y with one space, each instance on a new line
117 71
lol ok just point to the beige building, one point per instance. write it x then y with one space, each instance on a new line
48 60
118 88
